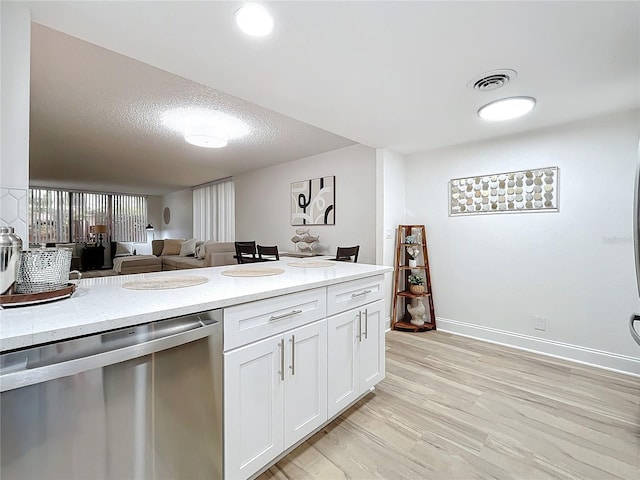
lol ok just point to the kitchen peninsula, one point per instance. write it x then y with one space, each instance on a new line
266 362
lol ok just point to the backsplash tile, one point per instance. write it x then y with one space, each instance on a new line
13 210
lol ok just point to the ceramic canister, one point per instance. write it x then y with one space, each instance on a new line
10 248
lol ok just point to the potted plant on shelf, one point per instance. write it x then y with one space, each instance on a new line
416 284
413 253
412 250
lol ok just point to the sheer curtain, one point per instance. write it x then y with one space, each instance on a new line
214 211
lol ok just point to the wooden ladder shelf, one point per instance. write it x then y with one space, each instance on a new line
405 301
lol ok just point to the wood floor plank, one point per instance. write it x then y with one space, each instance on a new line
452 407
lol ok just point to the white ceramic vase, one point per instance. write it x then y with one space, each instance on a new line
417 312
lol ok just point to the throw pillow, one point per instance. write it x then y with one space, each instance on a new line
200 251
188 248
123 249
171 246
156 247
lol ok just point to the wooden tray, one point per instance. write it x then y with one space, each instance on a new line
23 299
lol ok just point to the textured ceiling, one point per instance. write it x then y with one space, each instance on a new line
97 124
385 74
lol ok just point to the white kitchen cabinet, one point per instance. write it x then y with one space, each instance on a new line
248 322
288 368
253 397
275 395
356 362
353 294
305 385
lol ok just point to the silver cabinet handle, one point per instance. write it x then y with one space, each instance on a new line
634 333
293 355
359 326
281 371
365 292
284 315
366 324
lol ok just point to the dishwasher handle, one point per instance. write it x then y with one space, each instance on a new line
25 376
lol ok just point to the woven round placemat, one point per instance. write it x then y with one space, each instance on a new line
165 283
311 264
252 272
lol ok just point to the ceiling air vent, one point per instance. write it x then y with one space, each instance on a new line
492 80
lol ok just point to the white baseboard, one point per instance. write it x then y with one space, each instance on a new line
588 356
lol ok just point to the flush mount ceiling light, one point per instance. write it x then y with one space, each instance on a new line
507 108
254 20
206 136
205 128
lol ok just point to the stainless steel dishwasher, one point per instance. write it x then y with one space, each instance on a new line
136 403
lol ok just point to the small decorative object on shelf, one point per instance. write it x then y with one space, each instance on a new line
416 284
413 251
412 300
417 311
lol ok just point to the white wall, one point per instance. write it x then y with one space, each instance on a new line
180 204
391 181
154 217
263 209
154 211
15 36
492 273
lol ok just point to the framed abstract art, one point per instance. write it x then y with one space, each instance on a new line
313 201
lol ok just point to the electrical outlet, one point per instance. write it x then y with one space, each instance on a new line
540 322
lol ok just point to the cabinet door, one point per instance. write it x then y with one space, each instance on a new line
342 365
305 386
371 346
253 399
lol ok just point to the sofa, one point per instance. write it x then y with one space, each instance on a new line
175 254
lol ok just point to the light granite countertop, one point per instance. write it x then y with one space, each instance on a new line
101 304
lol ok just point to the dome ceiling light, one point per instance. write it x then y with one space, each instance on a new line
205 128
254 20
206 136
507 108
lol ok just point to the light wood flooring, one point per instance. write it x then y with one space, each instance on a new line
451 407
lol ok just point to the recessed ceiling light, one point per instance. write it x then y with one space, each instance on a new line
254 20
205 136
507 108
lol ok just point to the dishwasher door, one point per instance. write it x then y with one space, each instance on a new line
137 403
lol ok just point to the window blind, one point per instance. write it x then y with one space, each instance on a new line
63 216
48 214
129 218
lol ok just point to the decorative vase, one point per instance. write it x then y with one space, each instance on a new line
413 262
417 311
416 289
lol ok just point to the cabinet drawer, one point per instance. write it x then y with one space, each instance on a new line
347 295
253 321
